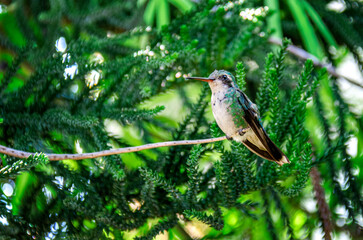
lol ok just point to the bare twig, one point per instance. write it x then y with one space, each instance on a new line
57 157
302 54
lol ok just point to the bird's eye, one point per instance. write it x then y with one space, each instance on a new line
224 77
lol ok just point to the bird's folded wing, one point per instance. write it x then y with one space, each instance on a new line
252 118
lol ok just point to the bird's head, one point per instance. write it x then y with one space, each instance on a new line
218 79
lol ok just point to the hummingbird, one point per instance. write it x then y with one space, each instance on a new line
238 117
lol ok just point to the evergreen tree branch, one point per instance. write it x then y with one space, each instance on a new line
57 157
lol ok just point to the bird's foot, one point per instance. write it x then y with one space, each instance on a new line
229 138
242 131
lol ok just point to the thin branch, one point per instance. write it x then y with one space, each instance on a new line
302 54
57 157
323 207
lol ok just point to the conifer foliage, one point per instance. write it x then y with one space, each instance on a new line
71 69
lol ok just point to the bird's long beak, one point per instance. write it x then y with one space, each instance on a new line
201 79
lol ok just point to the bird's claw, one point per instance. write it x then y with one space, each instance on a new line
229 138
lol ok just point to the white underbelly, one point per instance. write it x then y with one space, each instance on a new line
222 115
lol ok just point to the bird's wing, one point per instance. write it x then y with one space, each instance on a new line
252 118
257 150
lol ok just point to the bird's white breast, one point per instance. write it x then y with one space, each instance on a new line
220 108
